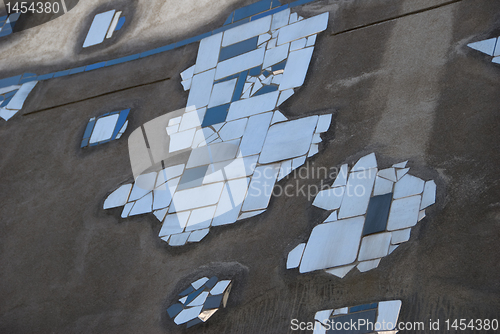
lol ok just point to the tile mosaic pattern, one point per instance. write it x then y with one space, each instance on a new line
103 26
490 46
372 212
200 301
238 143
375 318
12 98
105 128
7 23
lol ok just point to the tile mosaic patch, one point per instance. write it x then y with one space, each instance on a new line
490 46
105 128
200 301
103 26
235 147
381 317
372 212
12 98
7 24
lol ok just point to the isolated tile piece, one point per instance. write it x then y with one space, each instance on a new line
377 214
105 128
98 28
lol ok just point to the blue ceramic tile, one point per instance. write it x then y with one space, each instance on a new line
61 73
6 101
77 70
370 317
215 115
279 66
45 76
193 295
11 93
85 142
213 302
94 144
24 80
187 291
252 9
10 81
269 12
255 71
121 121
377 214
229 19
95 66
266 73
227 78
239 86
299 3
29 75
2 98
363 307
3 18
238 48
5 31
266 89
193 322
158 50
276 3
230 26
192 39
88 129
211 282
123 59
174 310
120 23
192 177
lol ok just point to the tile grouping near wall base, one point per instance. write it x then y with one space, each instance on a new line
372 212
376 318
103 26
490 46
200 301
12 98
237 145
7 23
105 128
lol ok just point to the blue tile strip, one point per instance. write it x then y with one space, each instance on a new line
363 307
238 17
239 86
266 89
238 48
121 121
120 24
215 115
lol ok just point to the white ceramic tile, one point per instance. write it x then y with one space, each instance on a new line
329 199
181 140
246 94
298 44
198 283
388 173
239 63
162 196
222 93
196 197
318 328
341 179
374 246
122 130
392 248
208 53
285 95
200 300
340 271
303 28
197 236
169 173
404 213
285 169
401 164
98 28
143 185
255 134
118 197
7 114
252 106
288 139
275 55
192 119
237 168
358 191
113 25
332 244
368 265
278 117
267 81
144 205
388 312
272 43
187 74
220 287
400 236
201 88
174 223
316 138
160 214
183 299
263 38
497 49
18 99
323 316
421 215
408 185
293 18
313 150
230 202
179 239
9 88
382 186
126 209
496 60
104 128
311 40
258 85
165 238
401 172
296 68
250 214
487 46
324 122
188 314
224 151
280 19
175 120
366 162
429 195
201 218
276 79
261 187
233 130
343 310
297 162
186 84
294 257
246 31
332 217
202 136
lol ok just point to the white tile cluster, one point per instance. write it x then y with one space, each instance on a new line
103 26
237 147
375 318
490 46
200 301
372 212
13 97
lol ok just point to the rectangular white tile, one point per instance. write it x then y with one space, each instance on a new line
181 140
400 236
196 197
403 213
255 134
230 202
429 195
192 119
201 88
294 257
280 19
252 106
17 101
239 63
233 130
261 187
222 93
296 68
174 223
208 53
303 28
408 185
357 195
98 28
275 55
246 31
104 128
201 218
113 25
374 246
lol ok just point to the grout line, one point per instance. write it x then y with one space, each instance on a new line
396 17
64 6
96 96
